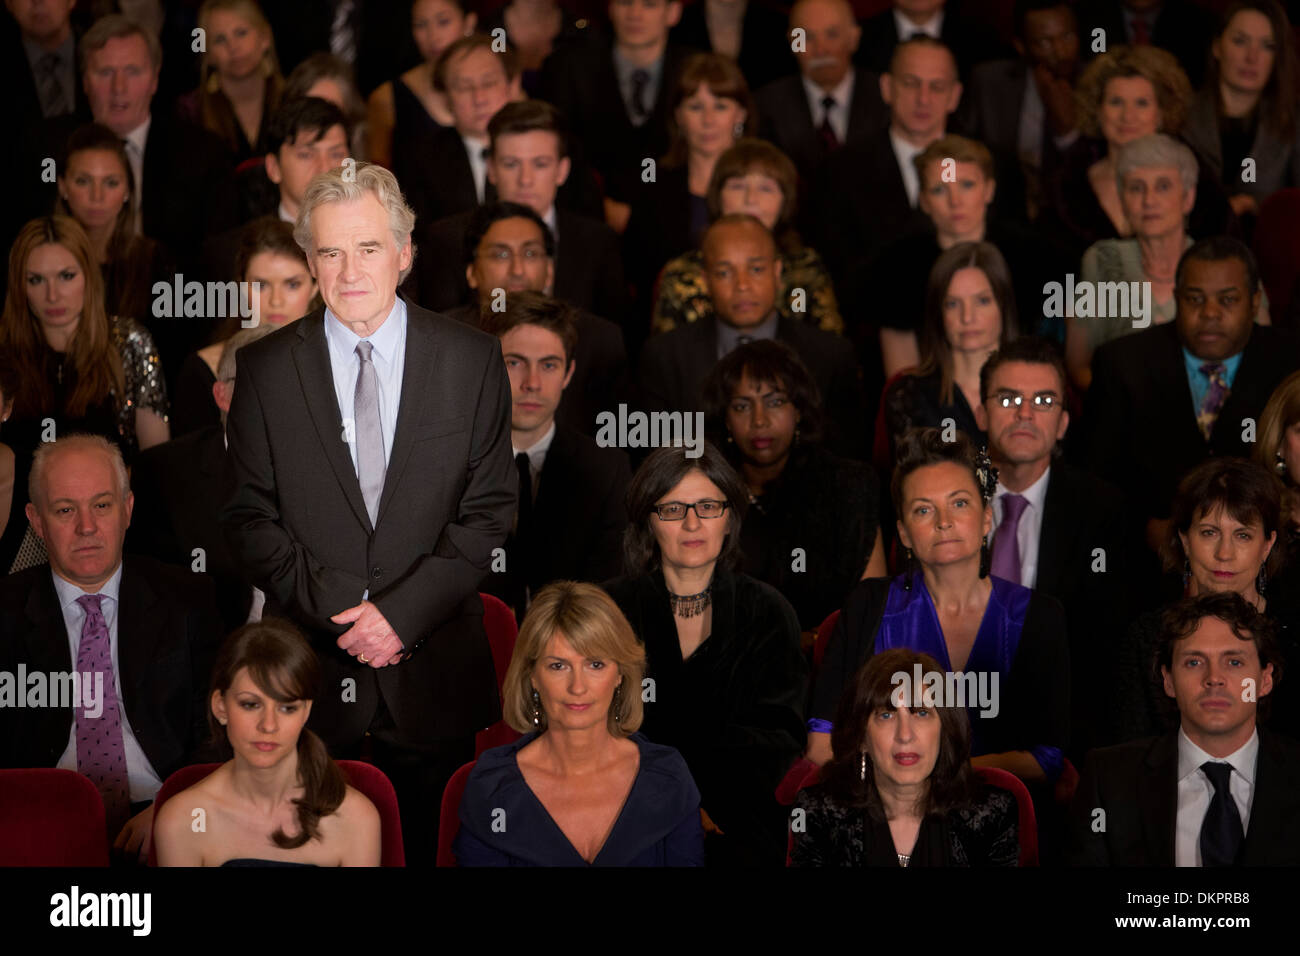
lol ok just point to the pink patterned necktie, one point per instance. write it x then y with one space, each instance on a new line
101 755
1214 398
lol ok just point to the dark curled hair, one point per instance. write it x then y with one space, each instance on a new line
486 216
951 781
1247 624
535 308
1245 489
766 362
658 475
284 667
920 447
1219 249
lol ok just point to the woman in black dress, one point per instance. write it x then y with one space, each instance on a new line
900 790
724 660
20 548
970 312
582 787
813 526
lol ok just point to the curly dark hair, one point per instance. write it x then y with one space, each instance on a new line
951 781
1245 489
767 362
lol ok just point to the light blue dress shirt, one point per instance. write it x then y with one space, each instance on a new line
1200 382
388 356
142 781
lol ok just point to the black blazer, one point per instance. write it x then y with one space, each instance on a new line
183 166
786 119
581 81
968 39
298 523
179 489
167 639
578 519
764 41
1143 433
600 374
588 267
1183 29
433 168
385 47
22 101
734 708
1136 784
991 106
675 364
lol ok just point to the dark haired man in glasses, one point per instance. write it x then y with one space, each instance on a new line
1055 528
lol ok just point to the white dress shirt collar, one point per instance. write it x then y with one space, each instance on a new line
537 454
906 27
1191 757
477 164
904 152
843 93
1194 793
384 339
69 592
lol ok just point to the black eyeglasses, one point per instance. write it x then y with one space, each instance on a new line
1041 402
704 508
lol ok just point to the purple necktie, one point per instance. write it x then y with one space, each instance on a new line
1006 546
1214 398
101 755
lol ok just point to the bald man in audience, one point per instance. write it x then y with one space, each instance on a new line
743 272
139 635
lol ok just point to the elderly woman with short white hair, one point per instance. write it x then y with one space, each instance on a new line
1156 176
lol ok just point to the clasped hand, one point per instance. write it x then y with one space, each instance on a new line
370 639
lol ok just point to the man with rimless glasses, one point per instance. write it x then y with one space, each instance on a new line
1049 518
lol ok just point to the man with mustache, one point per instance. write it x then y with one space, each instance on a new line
1217 791
1050 518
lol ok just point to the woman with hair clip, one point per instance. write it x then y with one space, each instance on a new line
1223 535
1247 107
970 313
900 790
582 787
97 188
77 364
946 604
269 256
240 85
281 800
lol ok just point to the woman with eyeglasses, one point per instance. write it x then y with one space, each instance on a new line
727 675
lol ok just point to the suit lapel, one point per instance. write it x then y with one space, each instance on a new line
1268 805
1241 399
1051 543
1168 376
47 640
139 629
418 372
1158 803
311 356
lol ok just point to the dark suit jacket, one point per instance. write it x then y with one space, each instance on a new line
1136 785
1184 29
1143 432
581 81
786 119
167 639
764 41
675 364
1277 161
298 523
600 373
588 267
433 168
179 488
577 521
990 110
385 47
970 41
183 166
22 101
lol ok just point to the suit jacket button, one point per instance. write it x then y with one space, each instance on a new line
376 572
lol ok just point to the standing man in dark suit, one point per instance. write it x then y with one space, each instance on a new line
1181 27
743 272
571 516
616 94
371 449
179 489
1219 791
371 36
506 248
829 104
1165 398
40 62
969 40
141 636
870 190
750 32
528 162
1056 529
1025 107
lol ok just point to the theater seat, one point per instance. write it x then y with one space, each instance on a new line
502 632
1026 824
449 818
364 777
51 817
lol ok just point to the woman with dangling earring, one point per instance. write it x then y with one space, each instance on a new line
1008 639
581 787
727 672
240 84
1225 525
900 789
